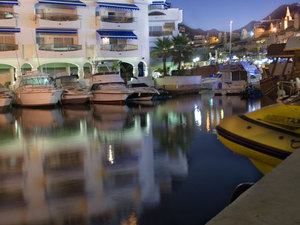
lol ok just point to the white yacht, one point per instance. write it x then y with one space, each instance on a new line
5 97
74 92
109 87
142 92
35 89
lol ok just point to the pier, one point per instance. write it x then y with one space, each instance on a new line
274 199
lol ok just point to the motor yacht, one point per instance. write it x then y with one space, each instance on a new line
74 92
142 92
6 97
266 136
109 87
36 89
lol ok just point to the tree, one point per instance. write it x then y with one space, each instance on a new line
162 50
182 50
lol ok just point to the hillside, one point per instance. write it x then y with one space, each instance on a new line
278 13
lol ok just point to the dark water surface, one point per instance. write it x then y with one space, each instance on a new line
111 164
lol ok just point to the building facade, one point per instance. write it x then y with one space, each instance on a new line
72 36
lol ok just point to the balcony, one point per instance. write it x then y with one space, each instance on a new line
8 19
58 16
160 33
116 22
59 47
8 47
58 20
119 47
117 19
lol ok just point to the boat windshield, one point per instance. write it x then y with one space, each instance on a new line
35 81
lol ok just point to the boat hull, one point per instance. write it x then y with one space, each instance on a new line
5 102
32 98
113 97
69 99
256 136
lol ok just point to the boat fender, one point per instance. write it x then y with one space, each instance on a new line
240 189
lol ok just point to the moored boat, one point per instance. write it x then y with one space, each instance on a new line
36 89
109 87
5 97
142 92
266 136
74 92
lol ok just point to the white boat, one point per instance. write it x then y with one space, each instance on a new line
5 97
234 81
109 87
74 92
209 83
35 89
142 92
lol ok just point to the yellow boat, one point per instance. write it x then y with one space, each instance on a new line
266 136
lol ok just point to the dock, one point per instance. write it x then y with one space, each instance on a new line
274 199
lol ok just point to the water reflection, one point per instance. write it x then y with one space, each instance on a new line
107 164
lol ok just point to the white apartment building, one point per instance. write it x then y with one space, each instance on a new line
72 36
163 22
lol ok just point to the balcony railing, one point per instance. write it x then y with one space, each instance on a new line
119 47
58 16
8 47
7 15
117 19
59 47
160 33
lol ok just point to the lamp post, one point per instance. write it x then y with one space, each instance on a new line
230 38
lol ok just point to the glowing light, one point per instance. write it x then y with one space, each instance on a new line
105 41
196 59
110 154
222 114
198 117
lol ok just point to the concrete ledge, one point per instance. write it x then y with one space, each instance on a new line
274 199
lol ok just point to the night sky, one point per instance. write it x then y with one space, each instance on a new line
209 14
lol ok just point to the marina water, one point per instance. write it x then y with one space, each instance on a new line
157 163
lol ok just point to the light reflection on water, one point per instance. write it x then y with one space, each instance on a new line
116 164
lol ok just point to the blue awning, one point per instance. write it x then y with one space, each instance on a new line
165 4
63 2
9 2
117 34
9 30
118 5
56 31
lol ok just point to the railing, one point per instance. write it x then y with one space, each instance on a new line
119 47
59 47
8 47
58 16
7 15
156 7
160 33
117 19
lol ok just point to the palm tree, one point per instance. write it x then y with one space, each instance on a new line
162 50
182 50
